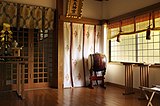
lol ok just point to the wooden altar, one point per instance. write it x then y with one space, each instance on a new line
20 62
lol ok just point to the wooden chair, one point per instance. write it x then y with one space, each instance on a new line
97 64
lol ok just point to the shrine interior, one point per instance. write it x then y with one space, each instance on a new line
52 51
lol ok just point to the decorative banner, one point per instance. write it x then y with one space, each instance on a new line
67 33
29 16
88 47
77 62
26 19
8 13
74 9
49 18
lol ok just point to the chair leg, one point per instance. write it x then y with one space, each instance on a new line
96 76
91 85
149 102
102 84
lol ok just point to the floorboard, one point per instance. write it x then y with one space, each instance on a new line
111 96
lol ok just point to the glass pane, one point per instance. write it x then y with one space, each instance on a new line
156 45
156 60
123 50
156 52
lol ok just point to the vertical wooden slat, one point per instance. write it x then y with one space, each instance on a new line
144 77
128 78
94 37
83 55
140 76
125 78
43 53
22 68
31 57
71 37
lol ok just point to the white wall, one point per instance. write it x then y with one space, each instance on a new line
45 3
113 8
116 74
92 9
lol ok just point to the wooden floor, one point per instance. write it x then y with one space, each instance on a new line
111 96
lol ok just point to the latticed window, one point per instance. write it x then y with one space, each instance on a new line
130 40
124 50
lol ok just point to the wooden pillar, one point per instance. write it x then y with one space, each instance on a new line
58 75
128 78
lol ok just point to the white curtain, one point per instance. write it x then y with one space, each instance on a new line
67 41
97 38
77 61
88 47
78 45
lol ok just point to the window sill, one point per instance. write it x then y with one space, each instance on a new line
156 65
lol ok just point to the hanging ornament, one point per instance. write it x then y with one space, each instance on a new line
120 31
148 32
6 38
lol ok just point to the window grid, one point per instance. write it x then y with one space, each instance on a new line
124 50
135 48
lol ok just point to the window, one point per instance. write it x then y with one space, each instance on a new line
133 45
148 50
135 48
125 50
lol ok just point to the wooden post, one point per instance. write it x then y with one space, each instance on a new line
22 74
18 79
128 78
